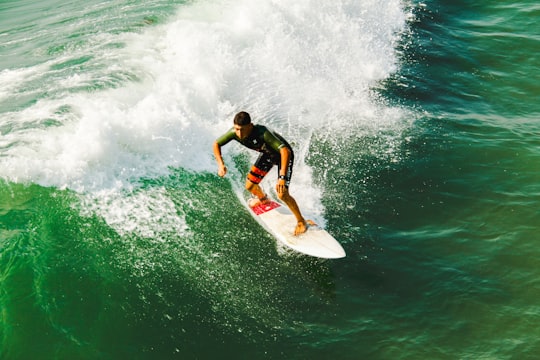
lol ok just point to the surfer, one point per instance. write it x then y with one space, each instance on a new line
274 150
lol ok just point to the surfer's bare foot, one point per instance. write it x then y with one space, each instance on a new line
301 227
256 201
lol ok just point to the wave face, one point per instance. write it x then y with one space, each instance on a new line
413 126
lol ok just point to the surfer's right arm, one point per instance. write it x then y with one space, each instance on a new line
222 140
222 169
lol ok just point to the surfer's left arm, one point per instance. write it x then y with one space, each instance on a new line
285 155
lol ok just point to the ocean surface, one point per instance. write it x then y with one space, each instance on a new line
416 130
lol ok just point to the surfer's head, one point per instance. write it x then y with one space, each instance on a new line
242 118
242 125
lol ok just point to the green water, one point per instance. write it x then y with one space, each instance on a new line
415 127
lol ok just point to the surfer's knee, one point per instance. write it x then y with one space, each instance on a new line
249 185
284 196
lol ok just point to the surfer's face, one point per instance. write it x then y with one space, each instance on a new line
243 131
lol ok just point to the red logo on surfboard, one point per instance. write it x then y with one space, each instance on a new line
262 208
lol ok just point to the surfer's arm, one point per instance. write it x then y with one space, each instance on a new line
222 169
285 154
221 141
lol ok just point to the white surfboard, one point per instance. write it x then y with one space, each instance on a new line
280 222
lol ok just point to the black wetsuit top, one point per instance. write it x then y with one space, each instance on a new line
268 144
260 139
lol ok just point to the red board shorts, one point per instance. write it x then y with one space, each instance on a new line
264 164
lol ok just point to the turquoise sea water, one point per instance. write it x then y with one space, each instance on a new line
416 133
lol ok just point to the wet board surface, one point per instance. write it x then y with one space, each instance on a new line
280 222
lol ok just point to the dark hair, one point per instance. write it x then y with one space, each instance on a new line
242 118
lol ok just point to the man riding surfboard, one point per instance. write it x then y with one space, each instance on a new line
274 150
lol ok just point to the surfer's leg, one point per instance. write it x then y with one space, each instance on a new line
301 226
258 192
257 173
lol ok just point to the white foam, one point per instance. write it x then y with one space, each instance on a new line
299 67
148 214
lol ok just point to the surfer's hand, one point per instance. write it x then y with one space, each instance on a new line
280 186
222 170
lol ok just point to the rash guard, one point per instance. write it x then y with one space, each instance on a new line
260 139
